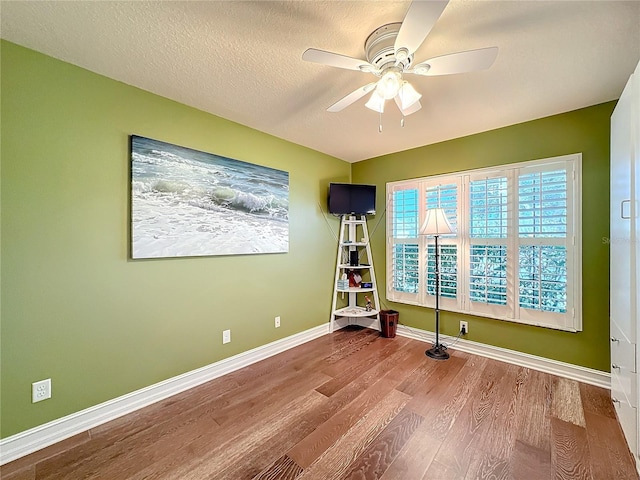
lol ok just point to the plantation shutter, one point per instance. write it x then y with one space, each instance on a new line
403 255
442 195
488 258
546 245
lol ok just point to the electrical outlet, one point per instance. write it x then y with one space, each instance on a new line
464 327
40 390
226 336
277 320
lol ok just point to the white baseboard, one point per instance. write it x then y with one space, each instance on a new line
546 365
34 439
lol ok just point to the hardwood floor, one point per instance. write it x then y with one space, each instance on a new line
354 405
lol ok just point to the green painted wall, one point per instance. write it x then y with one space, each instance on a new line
74 307
586 131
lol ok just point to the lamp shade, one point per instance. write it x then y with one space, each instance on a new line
408 96
376 102
436 223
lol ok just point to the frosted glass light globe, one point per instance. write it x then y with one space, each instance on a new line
376 102
389 84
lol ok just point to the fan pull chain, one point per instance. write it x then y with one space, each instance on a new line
402 103
380 125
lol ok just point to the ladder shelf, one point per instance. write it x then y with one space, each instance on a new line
355 278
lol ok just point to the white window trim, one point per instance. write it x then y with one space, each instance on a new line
571 320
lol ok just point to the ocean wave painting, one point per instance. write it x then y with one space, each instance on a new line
187 203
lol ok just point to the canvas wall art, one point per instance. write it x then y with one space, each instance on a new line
187 203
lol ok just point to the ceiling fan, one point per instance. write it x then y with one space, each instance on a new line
389 51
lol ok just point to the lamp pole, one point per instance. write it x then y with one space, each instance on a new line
437 352
436 224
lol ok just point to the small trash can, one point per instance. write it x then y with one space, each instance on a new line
388 323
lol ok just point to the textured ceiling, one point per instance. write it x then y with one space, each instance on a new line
241 60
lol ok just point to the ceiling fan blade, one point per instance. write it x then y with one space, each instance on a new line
413 108
417 23
351 98
460 62
336 60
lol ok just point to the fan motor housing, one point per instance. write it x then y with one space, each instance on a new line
379 47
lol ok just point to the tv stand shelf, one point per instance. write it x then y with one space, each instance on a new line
347 266
355 312
353 246
355 290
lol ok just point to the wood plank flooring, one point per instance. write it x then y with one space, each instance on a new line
354 405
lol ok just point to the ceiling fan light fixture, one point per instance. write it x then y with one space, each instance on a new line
389 52
390 83
376 102
408 95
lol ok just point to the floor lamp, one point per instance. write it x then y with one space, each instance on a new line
437 224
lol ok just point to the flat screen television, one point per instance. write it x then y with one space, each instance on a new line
352 199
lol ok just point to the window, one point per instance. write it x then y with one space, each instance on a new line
515 252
